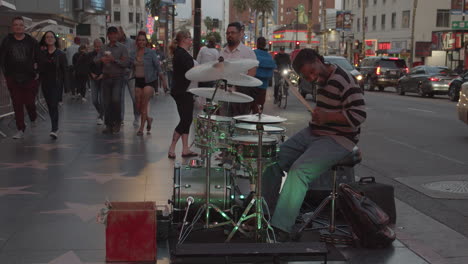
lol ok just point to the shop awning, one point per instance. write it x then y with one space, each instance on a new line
6 6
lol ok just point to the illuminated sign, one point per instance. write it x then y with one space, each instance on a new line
385 45
278 36
150 25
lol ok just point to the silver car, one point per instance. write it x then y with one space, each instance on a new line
426 80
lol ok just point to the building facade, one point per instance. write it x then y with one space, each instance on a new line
387 29
131 15
67 18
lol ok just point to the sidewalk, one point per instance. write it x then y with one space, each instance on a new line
51 191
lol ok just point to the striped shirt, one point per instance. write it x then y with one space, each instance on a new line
341 94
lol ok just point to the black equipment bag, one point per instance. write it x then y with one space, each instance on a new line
381 194
367 220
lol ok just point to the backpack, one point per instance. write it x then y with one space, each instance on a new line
367 220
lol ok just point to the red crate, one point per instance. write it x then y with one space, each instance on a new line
131 232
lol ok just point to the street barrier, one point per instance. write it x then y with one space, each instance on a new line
6 108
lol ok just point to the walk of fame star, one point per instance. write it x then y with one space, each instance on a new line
102 177
33 164
15 190
114 155
48 147
70 258
85 212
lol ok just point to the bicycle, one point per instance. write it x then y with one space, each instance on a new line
283 88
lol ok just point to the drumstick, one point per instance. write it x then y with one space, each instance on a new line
298 95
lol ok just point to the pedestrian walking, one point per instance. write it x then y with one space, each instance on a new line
53 72
264 73
95 81
70 51
209 53
182 61
146 68
129 82
81 68
114 61
19 61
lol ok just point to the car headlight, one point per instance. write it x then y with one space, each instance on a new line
359 77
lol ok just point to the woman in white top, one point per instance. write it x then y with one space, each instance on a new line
209 53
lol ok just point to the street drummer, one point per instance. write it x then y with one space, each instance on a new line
331 135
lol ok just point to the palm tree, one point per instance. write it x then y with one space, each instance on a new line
240 6
257 6
262 6
153 6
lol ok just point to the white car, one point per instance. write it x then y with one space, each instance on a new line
462 105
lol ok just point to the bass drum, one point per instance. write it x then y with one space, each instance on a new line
191 182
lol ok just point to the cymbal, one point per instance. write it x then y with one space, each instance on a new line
221 95
212 71
260 119
252 127
243 80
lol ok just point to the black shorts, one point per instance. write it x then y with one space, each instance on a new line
140 83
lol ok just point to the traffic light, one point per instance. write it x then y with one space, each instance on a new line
298 45
269 45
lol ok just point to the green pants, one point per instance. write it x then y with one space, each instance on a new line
305 157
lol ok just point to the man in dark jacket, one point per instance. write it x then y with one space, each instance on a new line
19 60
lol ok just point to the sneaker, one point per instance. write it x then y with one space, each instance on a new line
54 134
83 100
122 123
99 121
281 236
34 123
136 122
116 129
18 135
107 130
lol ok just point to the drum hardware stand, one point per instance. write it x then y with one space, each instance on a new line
209 108
257 199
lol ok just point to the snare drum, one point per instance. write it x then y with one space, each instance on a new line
191 182
213 133
251 129
246 147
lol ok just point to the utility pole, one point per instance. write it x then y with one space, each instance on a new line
197 28
324 30
309 23
364 27
413 19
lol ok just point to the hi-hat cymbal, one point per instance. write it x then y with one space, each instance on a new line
212 71
260 119
243 80
221 95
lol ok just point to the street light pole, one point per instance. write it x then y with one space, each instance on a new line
197 28
415 5
363 48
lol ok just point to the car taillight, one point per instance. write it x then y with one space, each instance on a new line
434 79
406 70
377 71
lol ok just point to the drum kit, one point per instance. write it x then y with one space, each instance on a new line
248 141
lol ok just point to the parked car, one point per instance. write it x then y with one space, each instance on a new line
462 105
307 88
455 85
382 72
426 80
